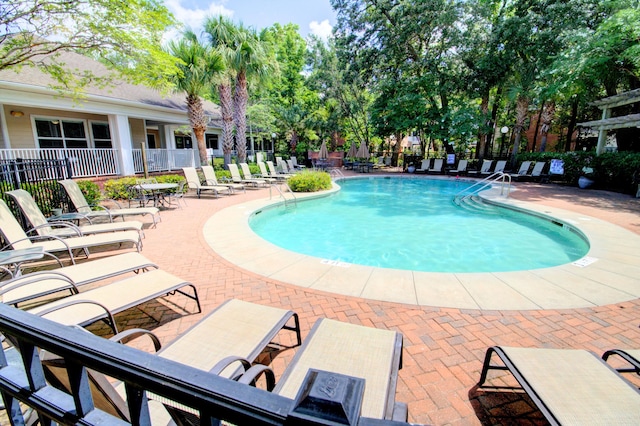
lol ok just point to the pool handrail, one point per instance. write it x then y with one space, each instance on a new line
497 177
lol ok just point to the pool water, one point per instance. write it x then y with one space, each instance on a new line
413 224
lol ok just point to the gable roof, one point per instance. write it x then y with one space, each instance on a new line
32 78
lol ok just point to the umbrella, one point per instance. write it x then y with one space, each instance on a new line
324 153
363 151
352 151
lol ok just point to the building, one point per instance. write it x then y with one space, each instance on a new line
102 133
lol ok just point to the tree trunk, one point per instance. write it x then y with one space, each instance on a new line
240 98
547 118
522 108
226 110
483 138
198 122
572 124
535 134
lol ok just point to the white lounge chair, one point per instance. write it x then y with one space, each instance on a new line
237 178
81 206
211 179
484 169
438 163
16 238
248 176
461 169
425 164
569 386
274 173
265 173
522 171
39 224
69 278
193 181
500 165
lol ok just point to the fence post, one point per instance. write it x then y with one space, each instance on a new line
143 150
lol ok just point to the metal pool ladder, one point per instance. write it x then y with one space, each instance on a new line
288 202
468 194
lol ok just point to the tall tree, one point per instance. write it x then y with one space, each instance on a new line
221 33
250 62
199 66
125 35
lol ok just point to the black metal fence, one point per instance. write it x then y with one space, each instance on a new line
38 177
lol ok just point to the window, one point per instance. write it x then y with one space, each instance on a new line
61 133
212 141
183 142
101 134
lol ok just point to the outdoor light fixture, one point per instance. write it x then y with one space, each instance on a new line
16 113
503 130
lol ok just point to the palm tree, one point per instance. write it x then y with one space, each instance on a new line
222 34
250 62
199 66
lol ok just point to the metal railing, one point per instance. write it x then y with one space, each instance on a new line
287 201
211 396
84 162
162 160
501 178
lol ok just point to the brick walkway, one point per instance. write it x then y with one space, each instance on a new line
443 348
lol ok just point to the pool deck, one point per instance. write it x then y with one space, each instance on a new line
443 347
609 273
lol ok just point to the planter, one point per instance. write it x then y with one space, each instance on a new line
584 182
411 169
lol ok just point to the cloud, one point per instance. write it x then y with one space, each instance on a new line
193 18
322 29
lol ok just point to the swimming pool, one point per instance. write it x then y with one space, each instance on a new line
412 224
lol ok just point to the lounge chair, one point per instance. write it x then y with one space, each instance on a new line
81 206
16 238
102 303
569 386
461 169
438 163
424 165
248 176
631 356
193 181
536 172
265 173
274 173
484 169
369 353
225 342
236 178
500 165
522 171
69 278
39 224
286 170
294 163
210 179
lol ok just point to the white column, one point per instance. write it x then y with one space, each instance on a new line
169 137
122 142
602 134
3 126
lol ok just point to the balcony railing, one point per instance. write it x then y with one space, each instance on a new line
93 162
161 160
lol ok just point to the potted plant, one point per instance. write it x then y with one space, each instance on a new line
586 178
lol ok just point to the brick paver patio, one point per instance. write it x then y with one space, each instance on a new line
443 348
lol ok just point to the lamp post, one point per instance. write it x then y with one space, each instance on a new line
273 142
504 130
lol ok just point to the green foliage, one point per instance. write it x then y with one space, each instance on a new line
310 181
116 189
91 192
124 35
616 171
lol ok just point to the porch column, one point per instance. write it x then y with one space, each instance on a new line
602 134
169 137
122 143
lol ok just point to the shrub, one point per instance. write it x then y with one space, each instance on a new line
91 191
615 171
116 189
309 181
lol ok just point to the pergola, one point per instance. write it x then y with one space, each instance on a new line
609 123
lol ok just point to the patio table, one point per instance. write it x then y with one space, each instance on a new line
12 260
158 191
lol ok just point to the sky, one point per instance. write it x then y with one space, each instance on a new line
312 16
